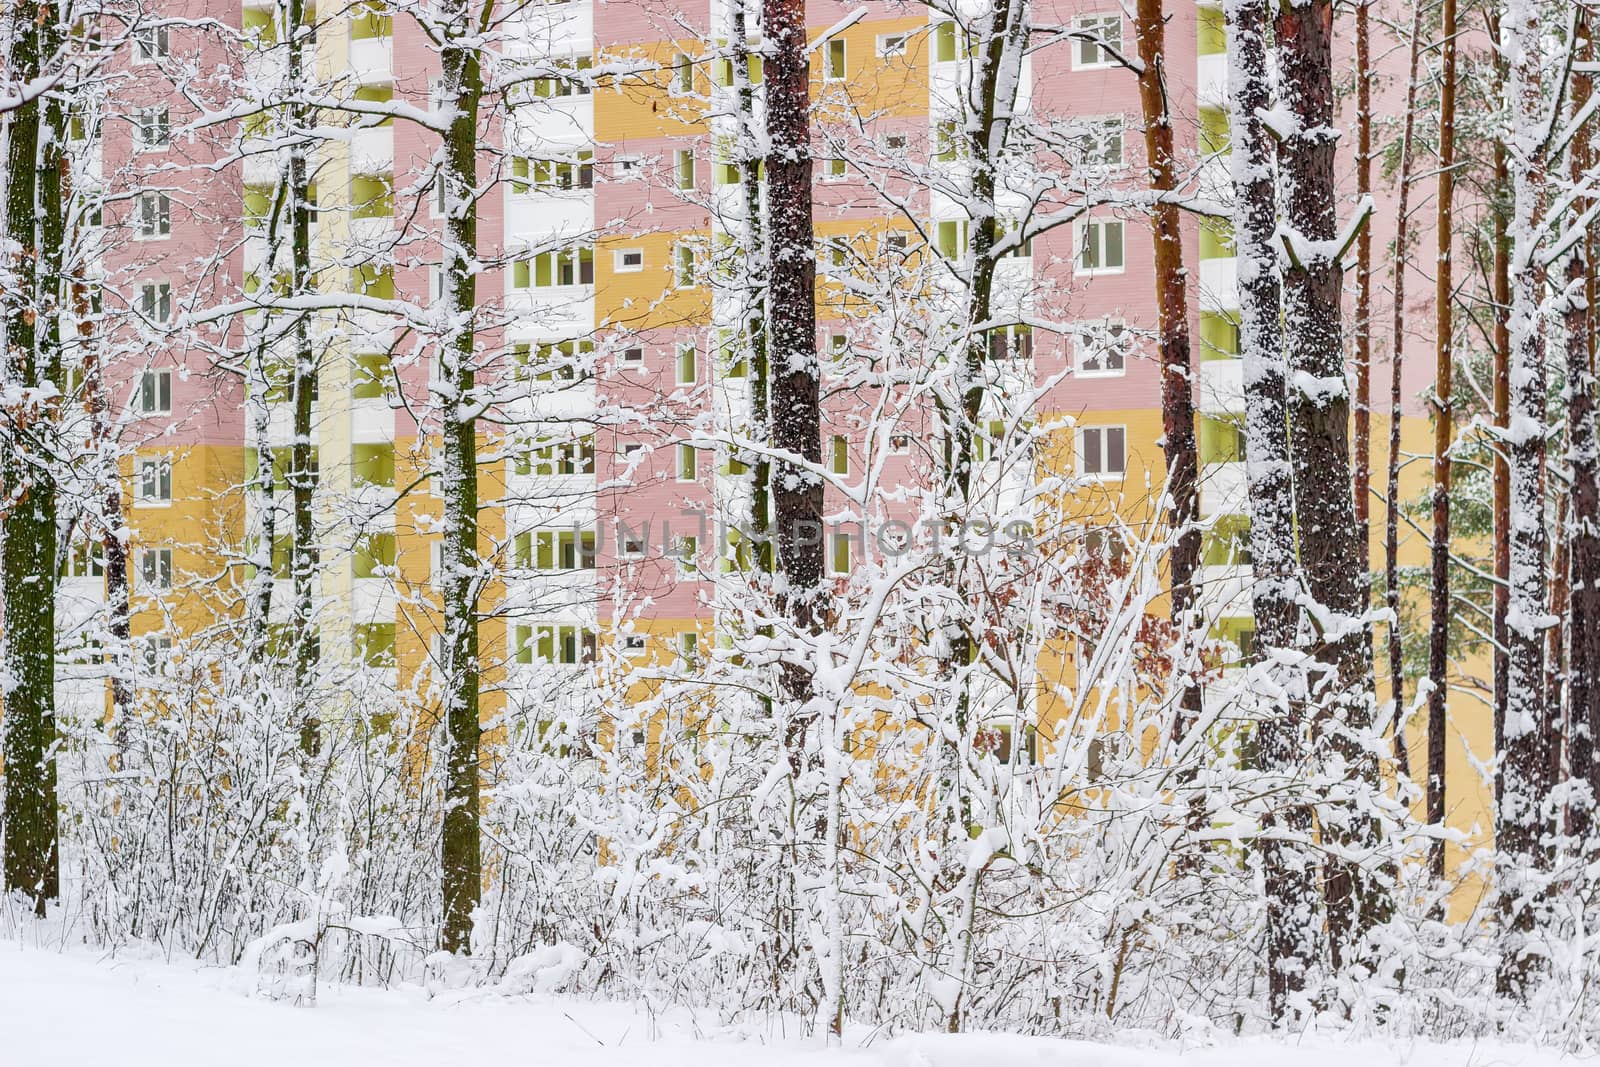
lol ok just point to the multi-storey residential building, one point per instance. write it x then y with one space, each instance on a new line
611 210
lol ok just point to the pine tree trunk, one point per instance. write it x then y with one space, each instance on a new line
1177 370
1520 824
1443 435
792 343
302 467
461 858
31 363
1391 522
1292 906
1319 420
1583 455
1362 437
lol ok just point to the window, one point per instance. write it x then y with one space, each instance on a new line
150 43
633 644
688 553
1103 142
373 374
153 215
555 550
152 130
551 643
157 650
900 443
688 363
893 44
629 260
1102 451
155 301
1102 349
898 242
572 79
950 43
155 568
895 142
685 268
683 168
1100 247
374 643
839 454
630 542
947 141
834 170
155 392
834 66
633 357
689 648
1011 342
681 77
688 463
552 175
839 553
85 559
559 267
556 458
1094 39
153 484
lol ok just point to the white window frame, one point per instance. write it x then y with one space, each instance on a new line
1080 236
160 560
633 644
829 72
632 358
835 169
160 390
151 43
152 485
1096 21
148 120
893 44
621 266
1104 432
152 216
678 352
156 295
1082 352
1101 124
685 274
678 463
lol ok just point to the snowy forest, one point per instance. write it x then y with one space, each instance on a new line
372 613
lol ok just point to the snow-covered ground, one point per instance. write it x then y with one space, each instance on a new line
78 1009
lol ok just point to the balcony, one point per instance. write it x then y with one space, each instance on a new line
372 150
1221 386
1211 86
372 59
1223 489
1219 284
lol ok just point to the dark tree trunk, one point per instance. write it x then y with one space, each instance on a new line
1177 370
1583 454
1292 905
1319 420
34 227
1443 434
461 865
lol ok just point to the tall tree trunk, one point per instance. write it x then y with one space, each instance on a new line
1520 822
792 342
1292 921
1501 474
461 865
1177 371
31 363
1443 435
1391 520
755 294
1583 454
1362 412
303 382
1319 420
